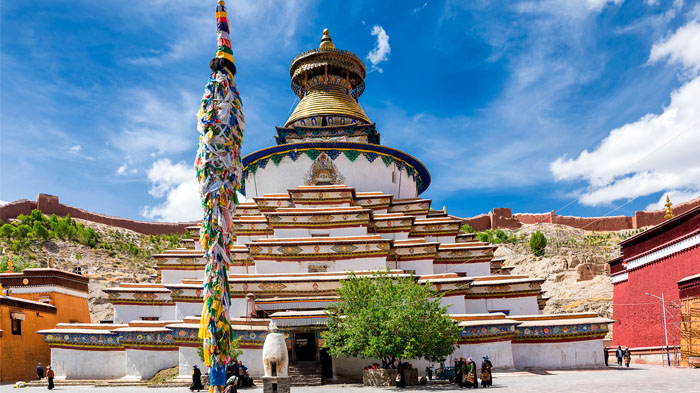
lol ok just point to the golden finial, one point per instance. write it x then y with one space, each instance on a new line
669 211
326 42
2 291
10 265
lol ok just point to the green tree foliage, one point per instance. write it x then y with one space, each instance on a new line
497 237
7 231
388 317
538 243
37 226
18 264
466 228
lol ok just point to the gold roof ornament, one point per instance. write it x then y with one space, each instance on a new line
326 42
669 211
328 82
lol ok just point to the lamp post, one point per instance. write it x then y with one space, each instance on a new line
663 311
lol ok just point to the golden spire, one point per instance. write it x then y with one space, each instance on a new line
326 42
669 212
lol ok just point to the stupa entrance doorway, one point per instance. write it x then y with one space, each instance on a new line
305 347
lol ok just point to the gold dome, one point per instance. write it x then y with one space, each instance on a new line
332 101
326 42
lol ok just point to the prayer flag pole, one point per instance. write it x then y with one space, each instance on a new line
221 125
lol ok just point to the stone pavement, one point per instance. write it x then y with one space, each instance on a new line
635 379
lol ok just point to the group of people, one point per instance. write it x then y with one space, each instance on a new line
466 373
236 377
49 374
620 354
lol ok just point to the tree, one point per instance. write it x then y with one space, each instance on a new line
388 317
40 230
538 243
7 230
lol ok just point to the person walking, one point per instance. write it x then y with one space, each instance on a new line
618 354
196 379
40 371
628 357
486 375
606 354
241 373
50 376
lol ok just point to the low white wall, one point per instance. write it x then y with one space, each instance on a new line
86 364
421 266
144 364
341 265
185 309
513 305
176 276
574 354
237 308
393 235
252 358
188 357
456 305
132 312
471 269
442 239
283 233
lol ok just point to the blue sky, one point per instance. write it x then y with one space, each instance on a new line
532 105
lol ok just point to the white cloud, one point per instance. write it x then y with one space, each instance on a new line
121 171
657 152
418 9
683 47
677 196
156 123
177 184
75 149
381 50
652 3
3 203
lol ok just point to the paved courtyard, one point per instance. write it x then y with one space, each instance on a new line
635 379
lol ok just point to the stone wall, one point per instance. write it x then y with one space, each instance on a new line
49 204
503 218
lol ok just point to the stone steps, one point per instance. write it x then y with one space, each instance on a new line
305 374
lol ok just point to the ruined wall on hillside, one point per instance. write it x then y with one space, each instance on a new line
49 204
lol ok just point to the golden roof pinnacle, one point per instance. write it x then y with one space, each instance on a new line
669 211
326 42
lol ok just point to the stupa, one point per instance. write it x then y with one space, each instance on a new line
328 199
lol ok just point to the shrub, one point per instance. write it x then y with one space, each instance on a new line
538 243
7 230
40 230
466 228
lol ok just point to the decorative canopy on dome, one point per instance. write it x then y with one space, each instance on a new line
329 82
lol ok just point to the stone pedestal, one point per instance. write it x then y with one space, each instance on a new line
276 384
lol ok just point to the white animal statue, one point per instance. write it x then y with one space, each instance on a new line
275 350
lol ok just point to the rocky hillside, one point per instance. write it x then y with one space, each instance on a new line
574 266
117 255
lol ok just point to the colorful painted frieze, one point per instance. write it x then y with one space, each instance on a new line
329 218
414 207
310 249
379 202
271 202
331 195
394 223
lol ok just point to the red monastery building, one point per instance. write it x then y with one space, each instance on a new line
652 264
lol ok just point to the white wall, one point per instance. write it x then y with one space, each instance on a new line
421 266
176 276
252 358
237 308
500 353
574 354
442 239
283 233
131 312
471 269
393 235
144 364
456 304
187 357
86 364
186 309
341 265
516 305
361 174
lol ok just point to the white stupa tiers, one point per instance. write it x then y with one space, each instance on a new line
326 200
